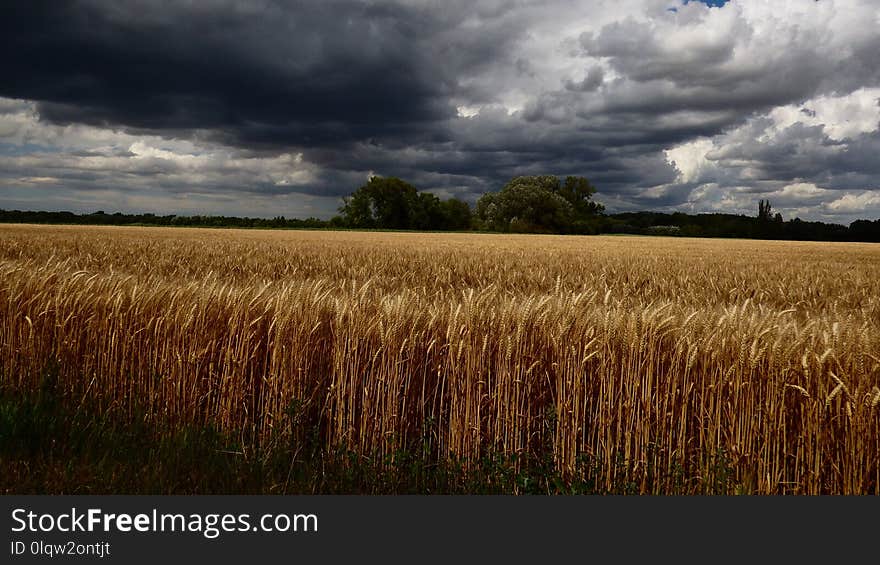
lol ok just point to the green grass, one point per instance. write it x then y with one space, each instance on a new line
50 445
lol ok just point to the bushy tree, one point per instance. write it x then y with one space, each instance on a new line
540 204
456 214
426 212
382 203
579 192
390 203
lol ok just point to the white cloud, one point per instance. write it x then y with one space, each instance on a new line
690 159
861 203
801 190
467 111
841 117
143 170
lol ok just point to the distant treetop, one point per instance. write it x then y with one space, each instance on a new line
541 204
390 203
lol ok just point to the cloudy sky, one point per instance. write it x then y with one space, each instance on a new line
268 108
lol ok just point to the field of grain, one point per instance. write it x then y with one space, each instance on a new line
668 363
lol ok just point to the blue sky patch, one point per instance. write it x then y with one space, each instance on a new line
713 3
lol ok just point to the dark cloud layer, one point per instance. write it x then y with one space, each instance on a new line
273 73
686 108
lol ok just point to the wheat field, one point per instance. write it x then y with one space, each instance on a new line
667 362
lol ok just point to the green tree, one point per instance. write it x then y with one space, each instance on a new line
579 192
456 214
540 204
426 212
388 203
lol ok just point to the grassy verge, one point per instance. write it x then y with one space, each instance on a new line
50 445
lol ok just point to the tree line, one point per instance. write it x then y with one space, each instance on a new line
101 218
526 204
536 204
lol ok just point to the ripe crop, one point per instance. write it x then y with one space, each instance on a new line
663 362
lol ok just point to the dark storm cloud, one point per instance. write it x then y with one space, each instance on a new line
720 69
308 98
805 154
255 73
593 80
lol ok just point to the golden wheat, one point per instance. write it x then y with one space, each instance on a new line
653 358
